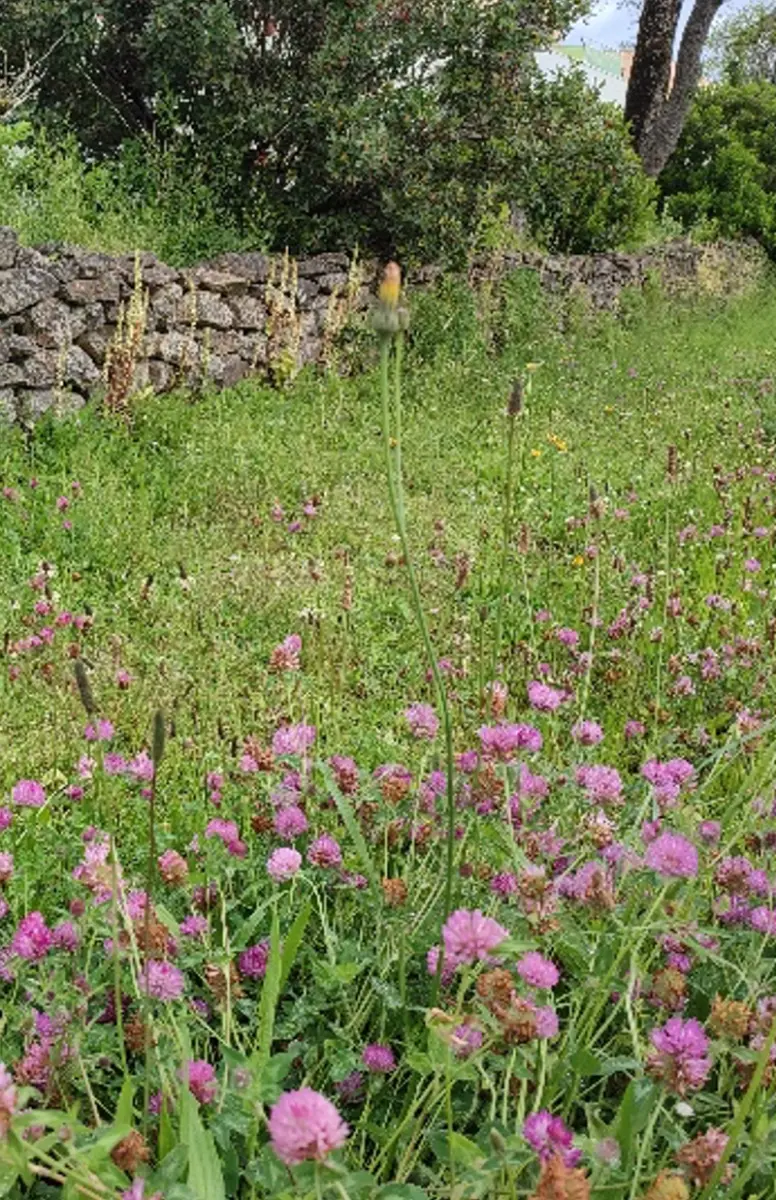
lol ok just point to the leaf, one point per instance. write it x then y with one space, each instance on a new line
585 1062
243 935
170 1169
167 919
611 1066
269 998
463 1151
420 1063
292 942
98 1150
205 1177
273 1074
123 1114
637 1103
166 1133
8 1177
336 975
345 809
400 1191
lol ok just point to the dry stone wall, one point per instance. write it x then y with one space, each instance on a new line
64 310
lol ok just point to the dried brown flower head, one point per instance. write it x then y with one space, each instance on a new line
223 982
669 988
495 987
394 892
559 1182
130 1152
700 1157
729 1018
668 1187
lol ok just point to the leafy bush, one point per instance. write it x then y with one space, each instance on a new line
580 182
723 174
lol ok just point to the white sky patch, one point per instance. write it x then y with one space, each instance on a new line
612 25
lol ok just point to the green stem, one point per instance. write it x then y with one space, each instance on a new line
397 507
399 344
505 540
144 968
646 1142
592 640
117 993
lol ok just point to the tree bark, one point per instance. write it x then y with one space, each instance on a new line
655 108
650 75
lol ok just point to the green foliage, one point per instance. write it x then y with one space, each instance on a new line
394 126
345 968
143 198
722 177
743 47
579 180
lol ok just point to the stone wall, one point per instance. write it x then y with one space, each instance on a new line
71 319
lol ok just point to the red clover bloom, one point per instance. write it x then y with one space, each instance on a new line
379 1059
162 980
549 1136
201 1078
28 793
305 1125
672 856
537 970
680 1056
283 864
423 721
470 936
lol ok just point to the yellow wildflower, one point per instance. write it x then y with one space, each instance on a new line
536 453
579 560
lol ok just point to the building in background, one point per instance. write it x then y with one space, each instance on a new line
606 70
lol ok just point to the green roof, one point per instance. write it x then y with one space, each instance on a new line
607 61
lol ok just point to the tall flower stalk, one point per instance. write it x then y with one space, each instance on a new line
391 321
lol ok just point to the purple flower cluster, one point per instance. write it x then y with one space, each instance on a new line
549 1136
502 742
680 1058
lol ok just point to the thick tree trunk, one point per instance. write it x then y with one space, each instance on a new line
655 108
650 75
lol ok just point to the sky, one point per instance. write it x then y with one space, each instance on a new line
614 24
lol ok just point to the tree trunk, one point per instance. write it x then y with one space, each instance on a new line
650 75
657 112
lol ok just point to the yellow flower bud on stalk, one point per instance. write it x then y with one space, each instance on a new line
390 288
388 318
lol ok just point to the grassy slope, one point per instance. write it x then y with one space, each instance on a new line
193 485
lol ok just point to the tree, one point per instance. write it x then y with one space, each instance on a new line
656 105
722 177
743 49
395 124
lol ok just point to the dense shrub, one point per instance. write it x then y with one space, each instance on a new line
579 180
723 174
